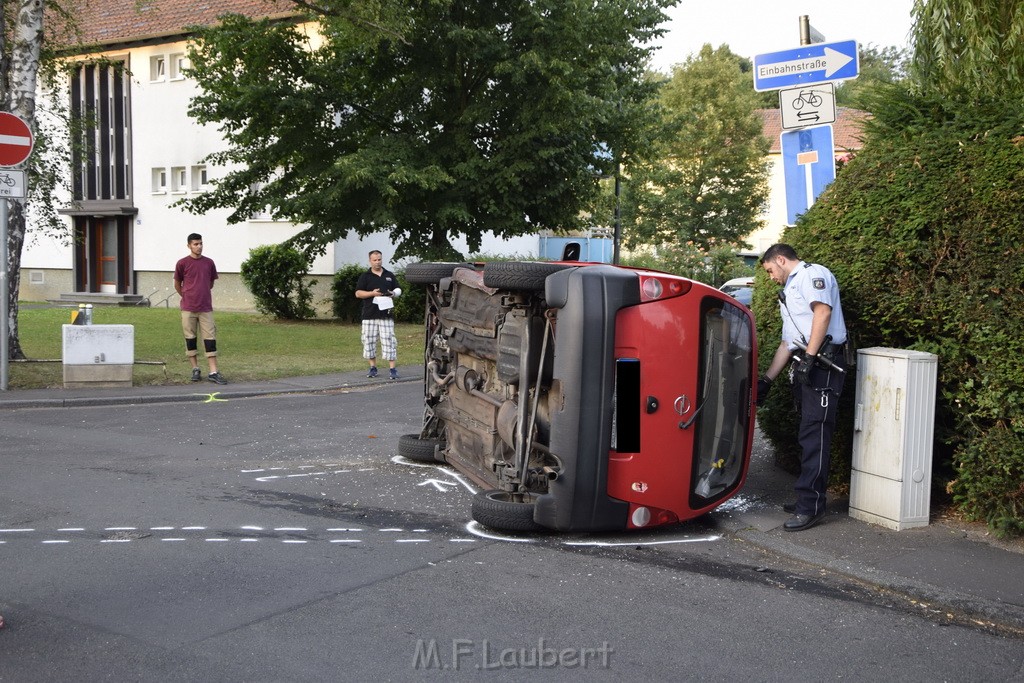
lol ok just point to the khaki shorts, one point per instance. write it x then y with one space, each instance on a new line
203 322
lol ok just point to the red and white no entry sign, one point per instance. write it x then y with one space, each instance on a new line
15 140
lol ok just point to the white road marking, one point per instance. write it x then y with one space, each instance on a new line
477 529
610 544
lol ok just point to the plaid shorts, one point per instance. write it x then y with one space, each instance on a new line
383 329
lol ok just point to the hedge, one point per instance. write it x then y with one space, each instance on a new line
923 230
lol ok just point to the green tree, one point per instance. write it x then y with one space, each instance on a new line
706 181
471 117
968 49
27 66
879 66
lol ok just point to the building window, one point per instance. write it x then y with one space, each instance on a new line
200 180
157 68
101 157
179 179
178 65
159 180
35 277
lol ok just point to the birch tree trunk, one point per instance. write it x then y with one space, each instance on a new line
19 64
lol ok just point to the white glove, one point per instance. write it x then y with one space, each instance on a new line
396 292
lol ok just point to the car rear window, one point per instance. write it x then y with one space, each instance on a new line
726 360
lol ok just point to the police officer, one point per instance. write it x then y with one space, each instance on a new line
813 335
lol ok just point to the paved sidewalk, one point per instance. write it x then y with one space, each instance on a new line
952 571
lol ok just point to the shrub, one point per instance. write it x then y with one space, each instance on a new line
922 230
276 275
345 306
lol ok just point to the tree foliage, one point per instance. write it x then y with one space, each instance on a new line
27 64
879 66
966 49
468 117
706 181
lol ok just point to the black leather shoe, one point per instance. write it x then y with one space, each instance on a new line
790 508
801 522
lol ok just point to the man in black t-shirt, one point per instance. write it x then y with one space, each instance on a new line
376 287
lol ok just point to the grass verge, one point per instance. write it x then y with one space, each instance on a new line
250 346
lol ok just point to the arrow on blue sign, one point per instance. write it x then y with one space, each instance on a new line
806 65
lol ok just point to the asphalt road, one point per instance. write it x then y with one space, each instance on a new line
281 539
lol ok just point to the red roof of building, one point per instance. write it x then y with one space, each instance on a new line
847 131
111 22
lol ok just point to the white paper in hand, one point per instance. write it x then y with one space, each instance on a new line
383 302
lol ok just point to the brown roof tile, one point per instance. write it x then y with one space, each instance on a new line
847 131
111 22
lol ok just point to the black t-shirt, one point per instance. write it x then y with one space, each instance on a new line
385 282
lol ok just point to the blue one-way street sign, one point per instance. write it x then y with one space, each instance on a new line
809 165
807 64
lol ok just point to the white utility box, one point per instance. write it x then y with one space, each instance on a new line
893 433
98 355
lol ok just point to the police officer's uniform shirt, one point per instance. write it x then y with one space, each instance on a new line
810 282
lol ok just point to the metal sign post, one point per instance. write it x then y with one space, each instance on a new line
4 293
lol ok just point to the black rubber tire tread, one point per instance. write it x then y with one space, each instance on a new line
523 275
495 510
411 446
427 273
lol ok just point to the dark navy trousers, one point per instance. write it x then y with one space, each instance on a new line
817 402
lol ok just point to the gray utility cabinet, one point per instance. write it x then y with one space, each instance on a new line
894 429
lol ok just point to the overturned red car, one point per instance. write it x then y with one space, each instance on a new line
585 396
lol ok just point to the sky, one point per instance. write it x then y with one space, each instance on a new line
753 27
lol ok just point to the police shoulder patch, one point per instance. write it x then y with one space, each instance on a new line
818 282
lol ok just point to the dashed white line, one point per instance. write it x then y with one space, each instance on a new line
72 528
119 528
55 541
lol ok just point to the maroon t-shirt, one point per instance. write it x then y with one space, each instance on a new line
196 276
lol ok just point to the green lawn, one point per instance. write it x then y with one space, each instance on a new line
250 346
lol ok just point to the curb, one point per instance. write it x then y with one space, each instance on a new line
959 607
95 401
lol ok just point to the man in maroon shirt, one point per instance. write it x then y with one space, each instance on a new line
193 281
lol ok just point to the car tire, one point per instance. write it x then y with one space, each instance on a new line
523 275
504 511
425 273
412 447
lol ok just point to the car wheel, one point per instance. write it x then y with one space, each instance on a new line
430 273
525 275
505 511
414 448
